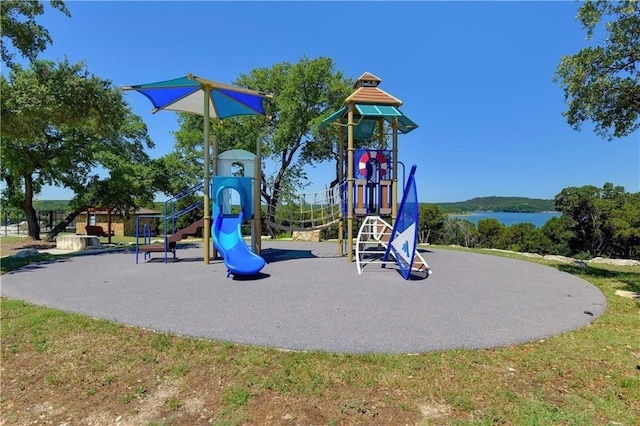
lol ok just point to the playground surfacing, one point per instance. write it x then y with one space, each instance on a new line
308 298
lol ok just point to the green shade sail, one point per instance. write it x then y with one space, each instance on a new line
378 110
366 116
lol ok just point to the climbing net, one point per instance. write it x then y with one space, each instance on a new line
307 212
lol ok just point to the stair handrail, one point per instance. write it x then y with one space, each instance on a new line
146 233
170 204
186 192
169 214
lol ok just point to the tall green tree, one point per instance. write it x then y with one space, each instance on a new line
132 182
597 222
489 232
601 83
459 232
560 235
20 31
524 237
587 221
430 221
63 126
304 93
186 158
590 211
625 222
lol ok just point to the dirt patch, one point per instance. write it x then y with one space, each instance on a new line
9 248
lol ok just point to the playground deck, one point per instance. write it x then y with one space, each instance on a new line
308 298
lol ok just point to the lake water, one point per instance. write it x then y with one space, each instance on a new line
508 218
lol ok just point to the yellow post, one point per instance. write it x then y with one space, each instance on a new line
257 206
394 182
340 192
350 181
381 144
207 230
206 178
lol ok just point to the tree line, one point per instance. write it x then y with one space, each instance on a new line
594 222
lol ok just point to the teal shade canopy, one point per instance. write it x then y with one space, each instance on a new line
378 110
366 117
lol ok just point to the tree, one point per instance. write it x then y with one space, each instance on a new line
431 220
625 222
489 231
590 211
304 94
602 83
19 29
560 234
597 221
63 126
524 237
586 219
459 232
186 159
132 182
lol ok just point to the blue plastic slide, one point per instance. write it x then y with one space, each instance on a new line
227 236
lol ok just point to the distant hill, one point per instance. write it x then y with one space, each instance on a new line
479 204
499 204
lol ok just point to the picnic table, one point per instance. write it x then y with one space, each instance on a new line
97 231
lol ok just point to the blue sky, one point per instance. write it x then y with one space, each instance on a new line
475 76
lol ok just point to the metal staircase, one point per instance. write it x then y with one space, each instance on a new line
171 236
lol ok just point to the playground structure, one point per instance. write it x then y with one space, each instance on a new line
372 194
227 225
378 241
368 186
367 192
238 178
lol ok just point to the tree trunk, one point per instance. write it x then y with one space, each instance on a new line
272 201
267 219
335 181
30 213
62 225
271 208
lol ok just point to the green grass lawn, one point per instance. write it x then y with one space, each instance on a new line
58 366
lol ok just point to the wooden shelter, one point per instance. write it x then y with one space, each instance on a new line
119 225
